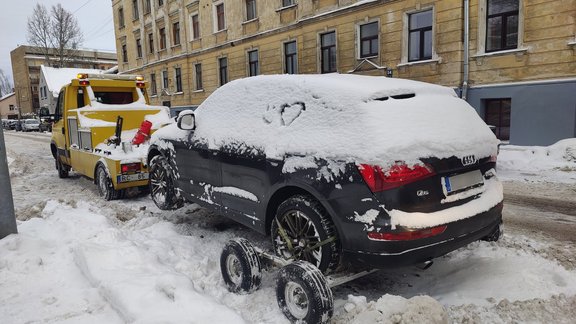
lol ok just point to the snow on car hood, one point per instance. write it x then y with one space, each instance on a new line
347 117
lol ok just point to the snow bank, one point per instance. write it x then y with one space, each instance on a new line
556 163
108 278
349 117
390 309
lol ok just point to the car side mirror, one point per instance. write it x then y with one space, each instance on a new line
187 121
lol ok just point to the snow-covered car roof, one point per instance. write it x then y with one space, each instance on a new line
348 117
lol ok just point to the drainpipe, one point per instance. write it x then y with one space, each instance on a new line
466 47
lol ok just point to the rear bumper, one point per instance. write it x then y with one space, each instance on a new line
387 254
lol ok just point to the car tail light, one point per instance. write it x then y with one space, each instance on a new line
131 167
397 175
407 236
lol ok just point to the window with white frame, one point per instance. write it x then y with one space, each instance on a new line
501 25
194 26
420 35
368 39
219 16
250 9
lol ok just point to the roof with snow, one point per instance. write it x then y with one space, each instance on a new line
7 96
56 78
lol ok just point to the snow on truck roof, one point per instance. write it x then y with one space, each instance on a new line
56 78
361 118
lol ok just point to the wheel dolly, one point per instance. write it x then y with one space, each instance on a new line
303 292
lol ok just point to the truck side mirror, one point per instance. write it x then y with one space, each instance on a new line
186 120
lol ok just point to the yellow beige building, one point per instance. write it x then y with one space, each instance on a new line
513 60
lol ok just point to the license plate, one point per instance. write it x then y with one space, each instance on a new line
132 177
462 181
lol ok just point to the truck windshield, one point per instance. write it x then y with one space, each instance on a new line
114 98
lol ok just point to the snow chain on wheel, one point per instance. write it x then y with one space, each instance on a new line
240 266
303 294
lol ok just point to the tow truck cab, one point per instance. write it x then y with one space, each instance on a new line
95 120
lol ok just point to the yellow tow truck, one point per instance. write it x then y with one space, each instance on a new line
101 126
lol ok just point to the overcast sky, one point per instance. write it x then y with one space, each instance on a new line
94 17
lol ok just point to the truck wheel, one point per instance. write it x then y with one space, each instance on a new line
104 183
162 187
240 266
63 170
303 294
303 230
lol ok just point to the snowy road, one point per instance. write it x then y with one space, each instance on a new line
79 259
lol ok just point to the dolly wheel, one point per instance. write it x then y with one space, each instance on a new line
303 294
240 266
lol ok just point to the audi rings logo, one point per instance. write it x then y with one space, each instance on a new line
468 160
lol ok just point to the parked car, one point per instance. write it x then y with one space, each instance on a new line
45 126
29 125
366 171
18 125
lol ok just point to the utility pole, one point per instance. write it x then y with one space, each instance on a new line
7 216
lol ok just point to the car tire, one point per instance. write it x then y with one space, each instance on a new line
63 170
104 183
306 223
240 266
162 189
303 294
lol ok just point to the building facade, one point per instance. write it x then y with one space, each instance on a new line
8 108
26 62
513 60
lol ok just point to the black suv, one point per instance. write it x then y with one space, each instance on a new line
364 170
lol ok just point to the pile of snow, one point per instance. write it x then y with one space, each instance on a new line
347 117
556 162
390 309
74 264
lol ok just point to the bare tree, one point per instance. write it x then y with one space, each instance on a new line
66 34
39 28
5 84
55 33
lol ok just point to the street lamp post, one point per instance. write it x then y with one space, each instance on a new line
7 216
